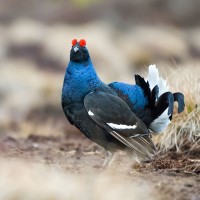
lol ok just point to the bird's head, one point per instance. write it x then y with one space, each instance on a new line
79 52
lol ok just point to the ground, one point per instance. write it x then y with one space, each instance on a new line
169 177
41 156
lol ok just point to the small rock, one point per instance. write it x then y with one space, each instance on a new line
188 185
171 173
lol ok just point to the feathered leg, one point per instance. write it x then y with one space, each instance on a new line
108 159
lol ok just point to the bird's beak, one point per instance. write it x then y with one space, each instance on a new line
76 49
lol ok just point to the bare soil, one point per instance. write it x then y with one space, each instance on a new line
173 176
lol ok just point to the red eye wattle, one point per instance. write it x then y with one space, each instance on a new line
74 41
82 43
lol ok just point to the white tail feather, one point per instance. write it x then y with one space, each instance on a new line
154 79
161 123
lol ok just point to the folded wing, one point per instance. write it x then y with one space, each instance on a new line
114 115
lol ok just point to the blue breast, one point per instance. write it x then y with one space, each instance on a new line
132 94
80 79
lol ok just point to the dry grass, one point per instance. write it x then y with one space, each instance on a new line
50 169
183 134
54 169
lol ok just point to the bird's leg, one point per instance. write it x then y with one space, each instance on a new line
109 159
133 157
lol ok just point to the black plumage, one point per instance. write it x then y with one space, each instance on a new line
117 116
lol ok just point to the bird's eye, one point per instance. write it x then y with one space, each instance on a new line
74 41
82 43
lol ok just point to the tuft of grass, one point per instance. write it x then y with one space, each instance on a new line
183 134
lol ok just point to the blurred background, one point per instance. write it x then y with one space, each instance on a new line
123 38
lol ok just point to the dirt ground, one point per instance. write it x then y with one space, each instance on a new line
172 176
34 134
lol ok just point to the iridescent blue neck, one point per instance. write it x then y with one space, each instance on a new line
80 79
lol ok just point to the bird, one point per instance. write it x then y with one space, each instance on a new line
150 100
116 116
